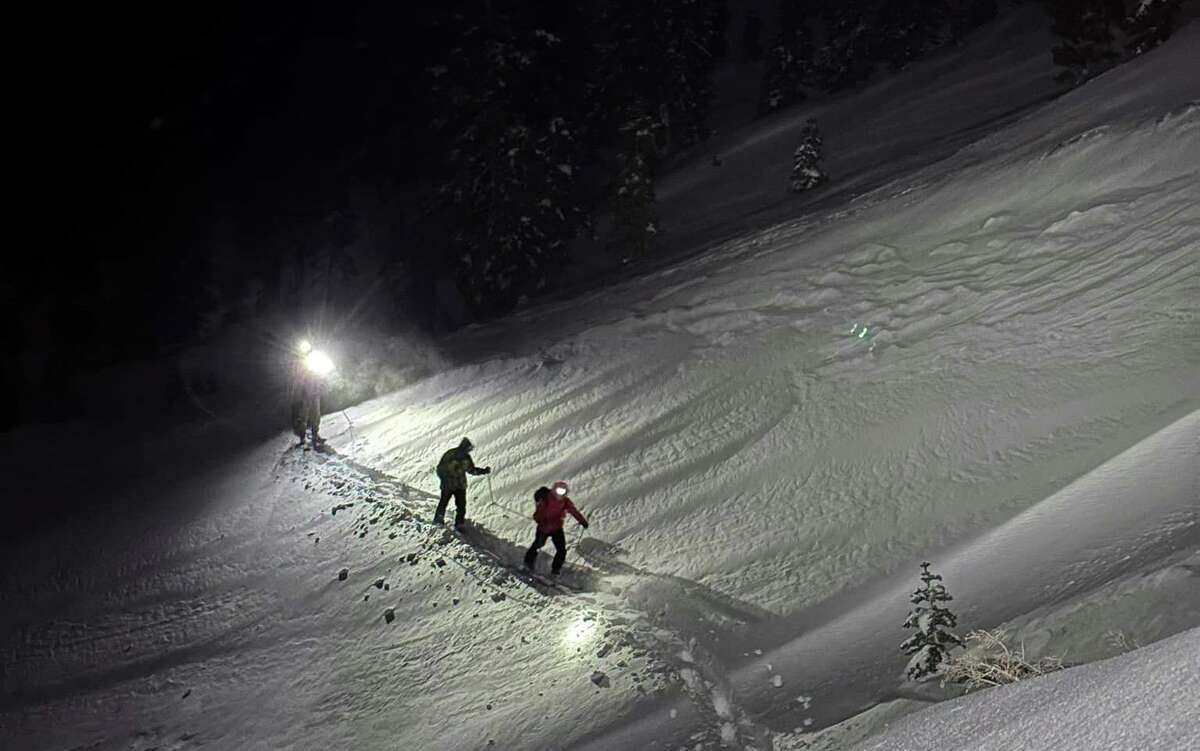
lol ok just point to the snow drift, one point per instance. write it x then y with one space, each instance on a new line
766 437
1143 700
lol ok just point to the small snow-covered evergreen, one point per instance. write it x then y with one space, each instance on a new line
806 170
929 645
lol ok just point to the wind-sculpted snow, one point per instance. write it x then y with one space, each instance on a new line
990 362
1144 700
799 412
323 610
1030 308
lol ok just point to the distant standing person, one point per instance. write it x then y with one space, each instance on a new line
452 472
306 409
551 506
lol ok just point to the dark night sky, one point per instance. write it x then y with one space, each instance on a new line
153 120
162 135
201 103
148 123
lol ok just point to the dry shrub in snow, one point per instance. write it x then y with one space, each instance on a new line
990 661
1121 641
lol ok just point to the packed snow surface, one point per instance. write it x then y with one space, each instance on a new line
991 363
1031 308
1144 700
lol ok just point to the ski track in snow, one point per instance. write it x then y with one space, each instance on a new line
165 649
745 404
1033 308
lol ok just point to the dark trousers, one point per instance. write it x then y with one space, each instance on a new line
460 505
560 550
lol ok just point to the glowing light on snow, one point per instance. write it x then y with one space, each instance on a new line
862 331
581 631
318 362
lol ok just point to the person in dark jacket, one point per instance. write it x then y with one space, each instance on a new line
306 386
452 472
306 411
551 506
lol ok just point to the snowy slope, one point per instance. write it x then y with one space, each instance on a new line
1033 300
1143 700
219 620
904 121
1024 410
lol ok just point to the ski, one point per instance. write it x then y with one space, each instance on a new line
532 578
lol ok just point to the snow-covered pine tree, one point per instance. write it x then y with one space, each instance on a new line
513 160
849 53
783 81
853 37
633 190
660 53
787 59
929 645
1150 24
1087 42
527 216
905 29
806 168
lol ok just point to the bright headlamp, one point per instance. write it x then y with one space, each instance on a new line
318 362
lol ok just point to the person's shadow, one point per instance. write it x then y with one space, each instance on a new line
674 599
512 555
679 601
386 488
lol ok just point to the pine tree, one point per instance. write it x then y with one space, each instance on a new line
1150 25
784 79
806 169
529 93
905 29
851 48
661 54
651 96
633 191
1087 40
788 58
511 189
524 217
856 36
929 645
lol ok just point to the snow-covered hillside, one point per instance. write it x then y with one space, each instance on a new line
906 120
991 363
1147 700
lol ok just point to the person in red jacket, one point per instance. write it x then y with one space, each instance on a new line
551 506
